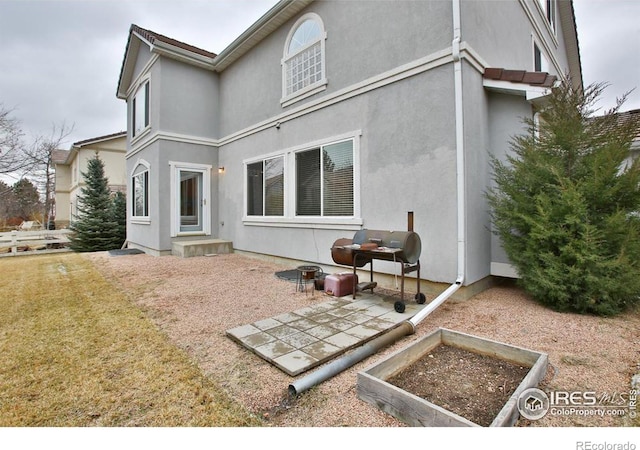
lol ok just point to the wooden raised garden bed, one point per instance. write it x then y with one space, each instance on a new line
450 378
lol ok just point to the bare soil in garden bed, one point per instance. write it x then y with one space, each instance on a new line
469 384
195 300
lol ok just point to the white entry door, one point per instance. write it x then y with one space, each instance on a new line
191 203
190 199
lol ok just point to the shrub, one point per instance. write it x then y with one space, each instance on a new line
566 205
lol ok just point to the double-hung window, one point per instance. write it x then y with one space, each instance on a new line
303 62
140 110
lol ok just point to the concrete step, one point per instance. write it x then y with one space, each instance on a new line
202 247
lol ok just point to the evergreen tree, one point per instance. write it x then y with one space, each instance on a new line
566 205
95 227
27 204
119 213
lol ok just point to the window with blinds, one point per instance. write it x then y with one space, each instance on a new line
317 181
265 187
324 181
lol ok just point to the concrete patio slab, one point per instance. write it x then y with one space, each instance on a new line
300 340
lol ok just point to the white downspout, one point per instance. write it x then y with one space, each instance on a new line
460 171
408 326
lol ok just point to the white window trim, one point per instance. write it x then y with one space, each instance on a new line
318 86
175 169
147 129
74 171
544 60
141 220
263 158
551 27
290 219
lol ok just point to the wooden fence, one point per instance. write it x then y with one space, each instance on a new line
14 243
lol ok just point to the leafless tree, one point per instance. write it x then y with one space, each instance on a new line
7 201
41 167
11 146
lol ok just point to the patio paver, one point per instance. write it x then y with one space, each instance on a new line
300 340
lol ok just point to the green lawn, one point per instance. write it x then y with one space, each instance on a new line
75 351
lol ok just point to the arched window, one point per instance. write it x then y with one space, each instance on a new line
140 190
303 63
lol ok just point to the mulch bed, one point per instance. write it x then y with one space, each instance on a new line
468 384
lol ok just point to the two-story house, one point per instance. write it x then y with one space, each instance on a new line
324 118
71 164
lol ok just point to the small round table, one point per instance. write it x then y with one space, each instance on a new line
306 274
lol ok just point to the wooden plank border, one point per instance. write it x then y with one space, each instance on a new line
373 388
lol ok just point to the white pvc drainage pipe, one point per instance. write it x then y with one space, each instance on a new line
405 328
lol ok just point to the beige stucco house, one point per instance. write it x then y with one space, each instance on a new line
70 164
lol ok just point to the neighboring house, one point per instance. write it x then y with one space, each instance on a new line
71 164
635 145
324 118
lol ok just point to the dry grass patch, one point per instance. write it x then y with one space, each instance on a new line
76 352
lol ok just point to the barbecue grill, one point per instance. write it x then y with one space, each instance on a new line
402 247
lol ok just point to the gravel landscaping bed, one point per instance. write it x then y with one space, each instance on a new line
195 300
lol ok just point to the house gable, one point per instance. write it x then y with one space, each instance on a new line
69 165
172 48
161 45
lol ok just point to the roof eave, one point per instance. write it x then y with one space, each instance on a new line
70 155
96 140
525 90
126 71
269 22
160 48
186 56
570 34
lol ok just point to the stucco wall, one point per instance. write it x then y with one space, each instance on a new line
139 75
405 165
505 121
183 106
147 235
156 234
63 178
364 39
476 142
504 35
114 167
187 99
